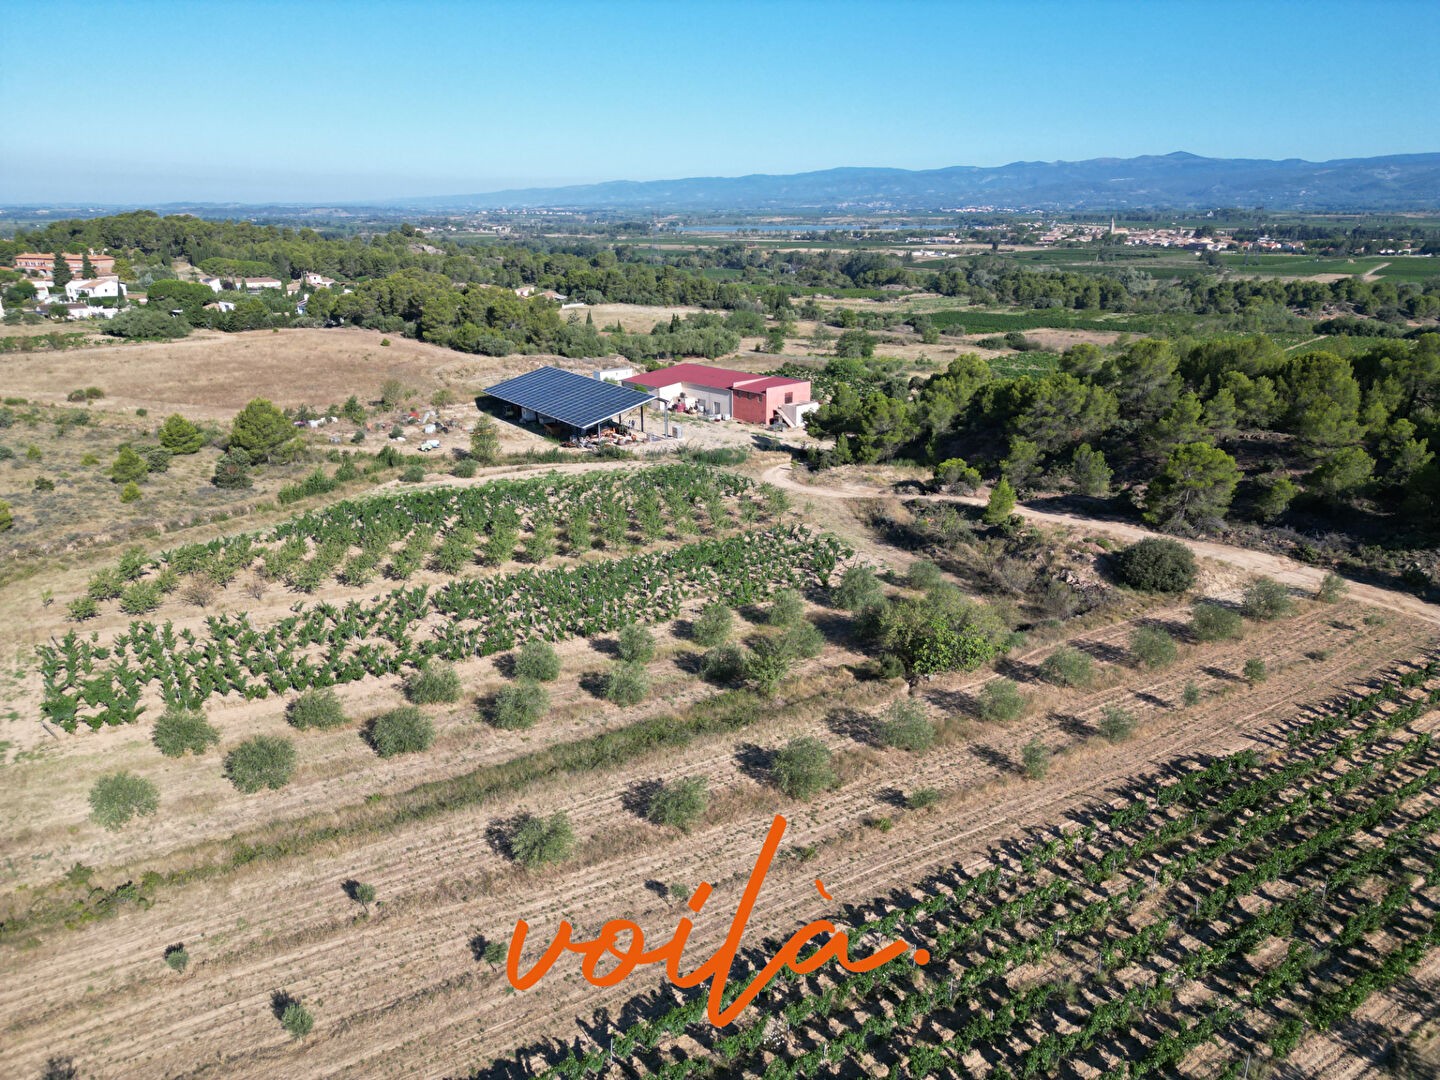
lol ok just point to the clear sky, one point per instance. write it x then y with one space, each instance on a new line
317 101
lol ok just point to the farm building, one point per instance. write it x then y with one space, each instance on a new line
713 391
565 399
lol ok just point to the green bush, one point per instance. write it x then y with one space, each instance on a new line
1035 759
787 608
538 841
405 730
139 598
680 804
1211 622
626 684
433 684
1255 670
636 644
463 469
713 626
767 665
1068 667
1332 588
924 575
1155 565
117 797
1001 701
177 958
82 608
1266 599
264 761
130 493
723 664
537 660
1116 724
1152 646
858 588
922 798
179 731
297 1020
519 705
413 474
318 708
1190 695
802 641
906 727
803 768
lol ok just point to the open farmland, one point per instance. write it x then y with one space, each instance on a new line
358 594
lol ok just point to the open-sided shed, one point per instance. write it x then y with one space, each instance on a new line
564 397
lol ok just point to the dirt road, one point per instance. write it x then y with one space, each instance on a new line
1289 571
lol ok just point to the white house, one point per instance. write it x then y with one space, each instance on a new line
220 305
254 285
214 284
94 289
90 311
317 281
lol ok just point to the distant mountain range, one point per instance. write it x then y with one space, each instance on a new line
1179 180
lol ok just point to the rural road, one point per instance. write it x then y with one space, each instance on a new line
1289 571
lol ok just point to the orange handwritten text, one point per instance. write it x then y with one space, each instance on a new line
623 942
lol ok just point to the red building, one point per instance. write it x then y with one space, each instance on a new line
37 264
712 391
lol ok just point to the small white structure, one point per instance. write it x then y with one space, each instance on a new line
317 281
614 374
94 289
214 284
254 285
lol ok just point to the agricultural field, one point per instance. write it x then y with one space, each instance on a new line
278 785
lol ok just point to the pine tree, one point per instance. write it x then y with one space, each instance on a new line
261 430
1001 504
61 271
87 268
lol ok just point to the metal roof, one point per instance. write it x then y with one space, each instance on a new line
572 399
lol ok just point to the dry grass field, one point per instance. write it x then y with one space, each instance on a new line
254 886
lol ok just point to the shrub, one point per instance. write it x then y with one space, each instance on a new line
1155 565
105 585
922 798
1255 671
413 474
924 575
117 797
1211 622
1266 599
767 665
361 893
858 588
180 436
519 706
803 768
1116 724
723 664
232 471
433 684
1068 667
1002 701
636 644
1191 695
82 608
140 598
7 516
179 731
787 608
1152 646
464 469
318 708
537 660
130 493
538 841
713 626
626 684
297 1020
264 761
177 958
128 466
1035 759
680 803
906 727
802 641
43 484
405 730
1332 588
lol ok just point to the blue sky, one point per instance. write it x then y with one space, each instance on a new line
324 101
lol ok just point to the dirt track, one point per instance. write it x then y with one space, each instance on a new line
1255 562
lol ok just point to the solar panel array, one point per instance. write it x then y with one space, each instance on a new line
572 399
